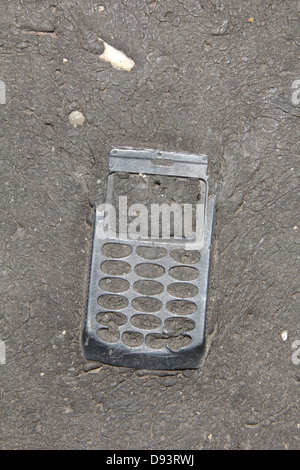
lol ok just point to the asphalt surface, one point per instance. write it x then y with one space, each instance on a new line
212 77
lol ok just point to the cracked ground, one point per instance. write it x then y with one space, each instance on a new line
212 77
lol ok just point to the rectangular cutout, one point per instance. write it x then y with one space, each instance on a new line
162 162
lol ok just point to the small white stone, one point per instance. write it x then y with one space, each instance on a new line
284 335
117 59
76 118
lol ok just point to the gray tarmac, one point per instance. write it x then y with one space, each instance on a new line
215 77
